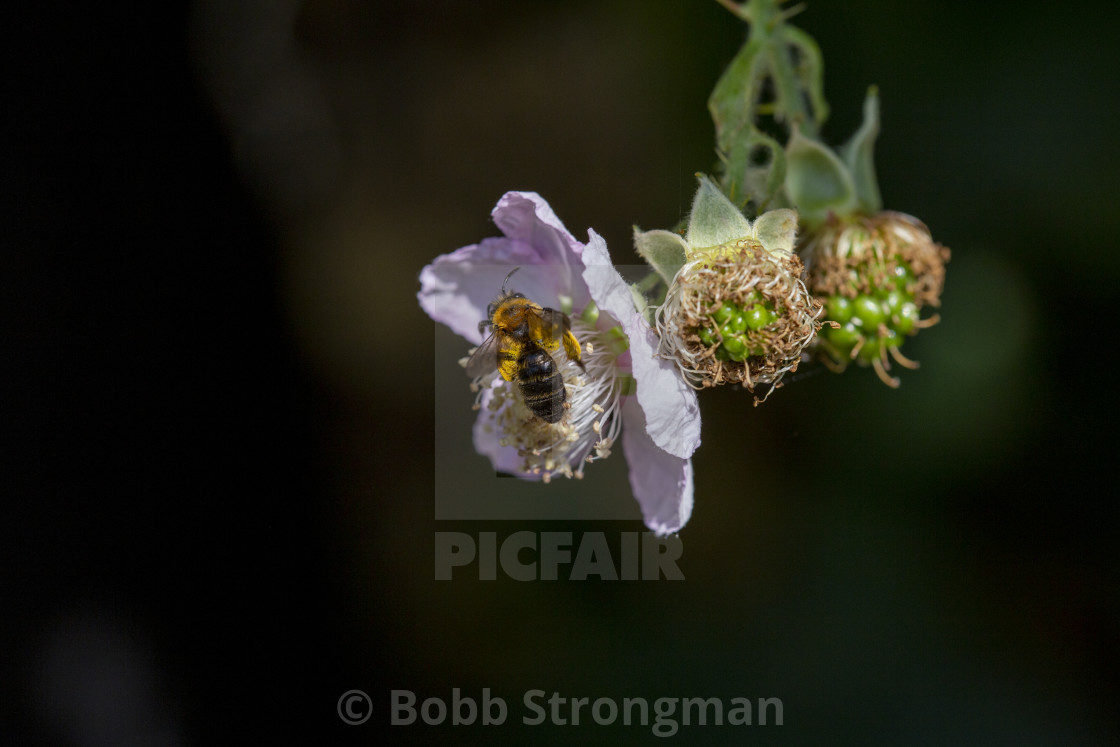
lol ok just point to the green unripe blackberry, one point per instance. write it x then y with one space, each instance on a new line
875 275
758 316
870 350
733 327
839 309
738 323
737 311
736 348
894 299
869 313
842 339
723 313
905 320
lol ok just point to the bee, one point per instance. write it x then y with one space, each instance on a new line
523 334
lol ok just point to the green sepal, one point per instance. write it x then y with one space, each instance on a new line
714 219
590 314
777 230
617 341
664 251
565 303
817 181
641 303
859 156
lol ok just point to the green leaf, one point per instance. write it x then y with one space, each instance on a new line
641 304
859 155
663 250
817 181
810 72
732 101
714 219
754 169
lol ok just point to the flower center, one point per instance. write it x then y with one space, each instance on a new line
592 418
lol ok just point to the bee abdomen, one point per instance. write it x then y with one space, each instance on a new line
541 384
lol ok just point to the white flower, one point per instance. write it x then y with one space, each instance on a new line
626 391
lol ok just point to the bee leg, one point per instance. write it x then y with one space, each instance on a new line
571 347
507 365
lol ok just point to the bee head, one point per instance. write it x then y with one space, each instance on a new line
493 309
503 297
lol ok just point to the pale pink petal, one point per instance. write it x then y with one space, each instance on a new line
672 413
662 483
457 287
527 217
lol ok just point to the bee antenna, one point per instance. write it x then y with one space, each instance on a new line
515 269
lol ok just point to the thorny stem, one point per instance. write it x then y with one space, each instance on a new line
768 30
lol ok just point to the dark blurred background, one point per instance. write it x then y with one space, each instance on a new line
218 385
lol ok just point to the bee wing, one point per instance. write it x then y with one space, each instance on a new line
556 329
484 360
552 325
